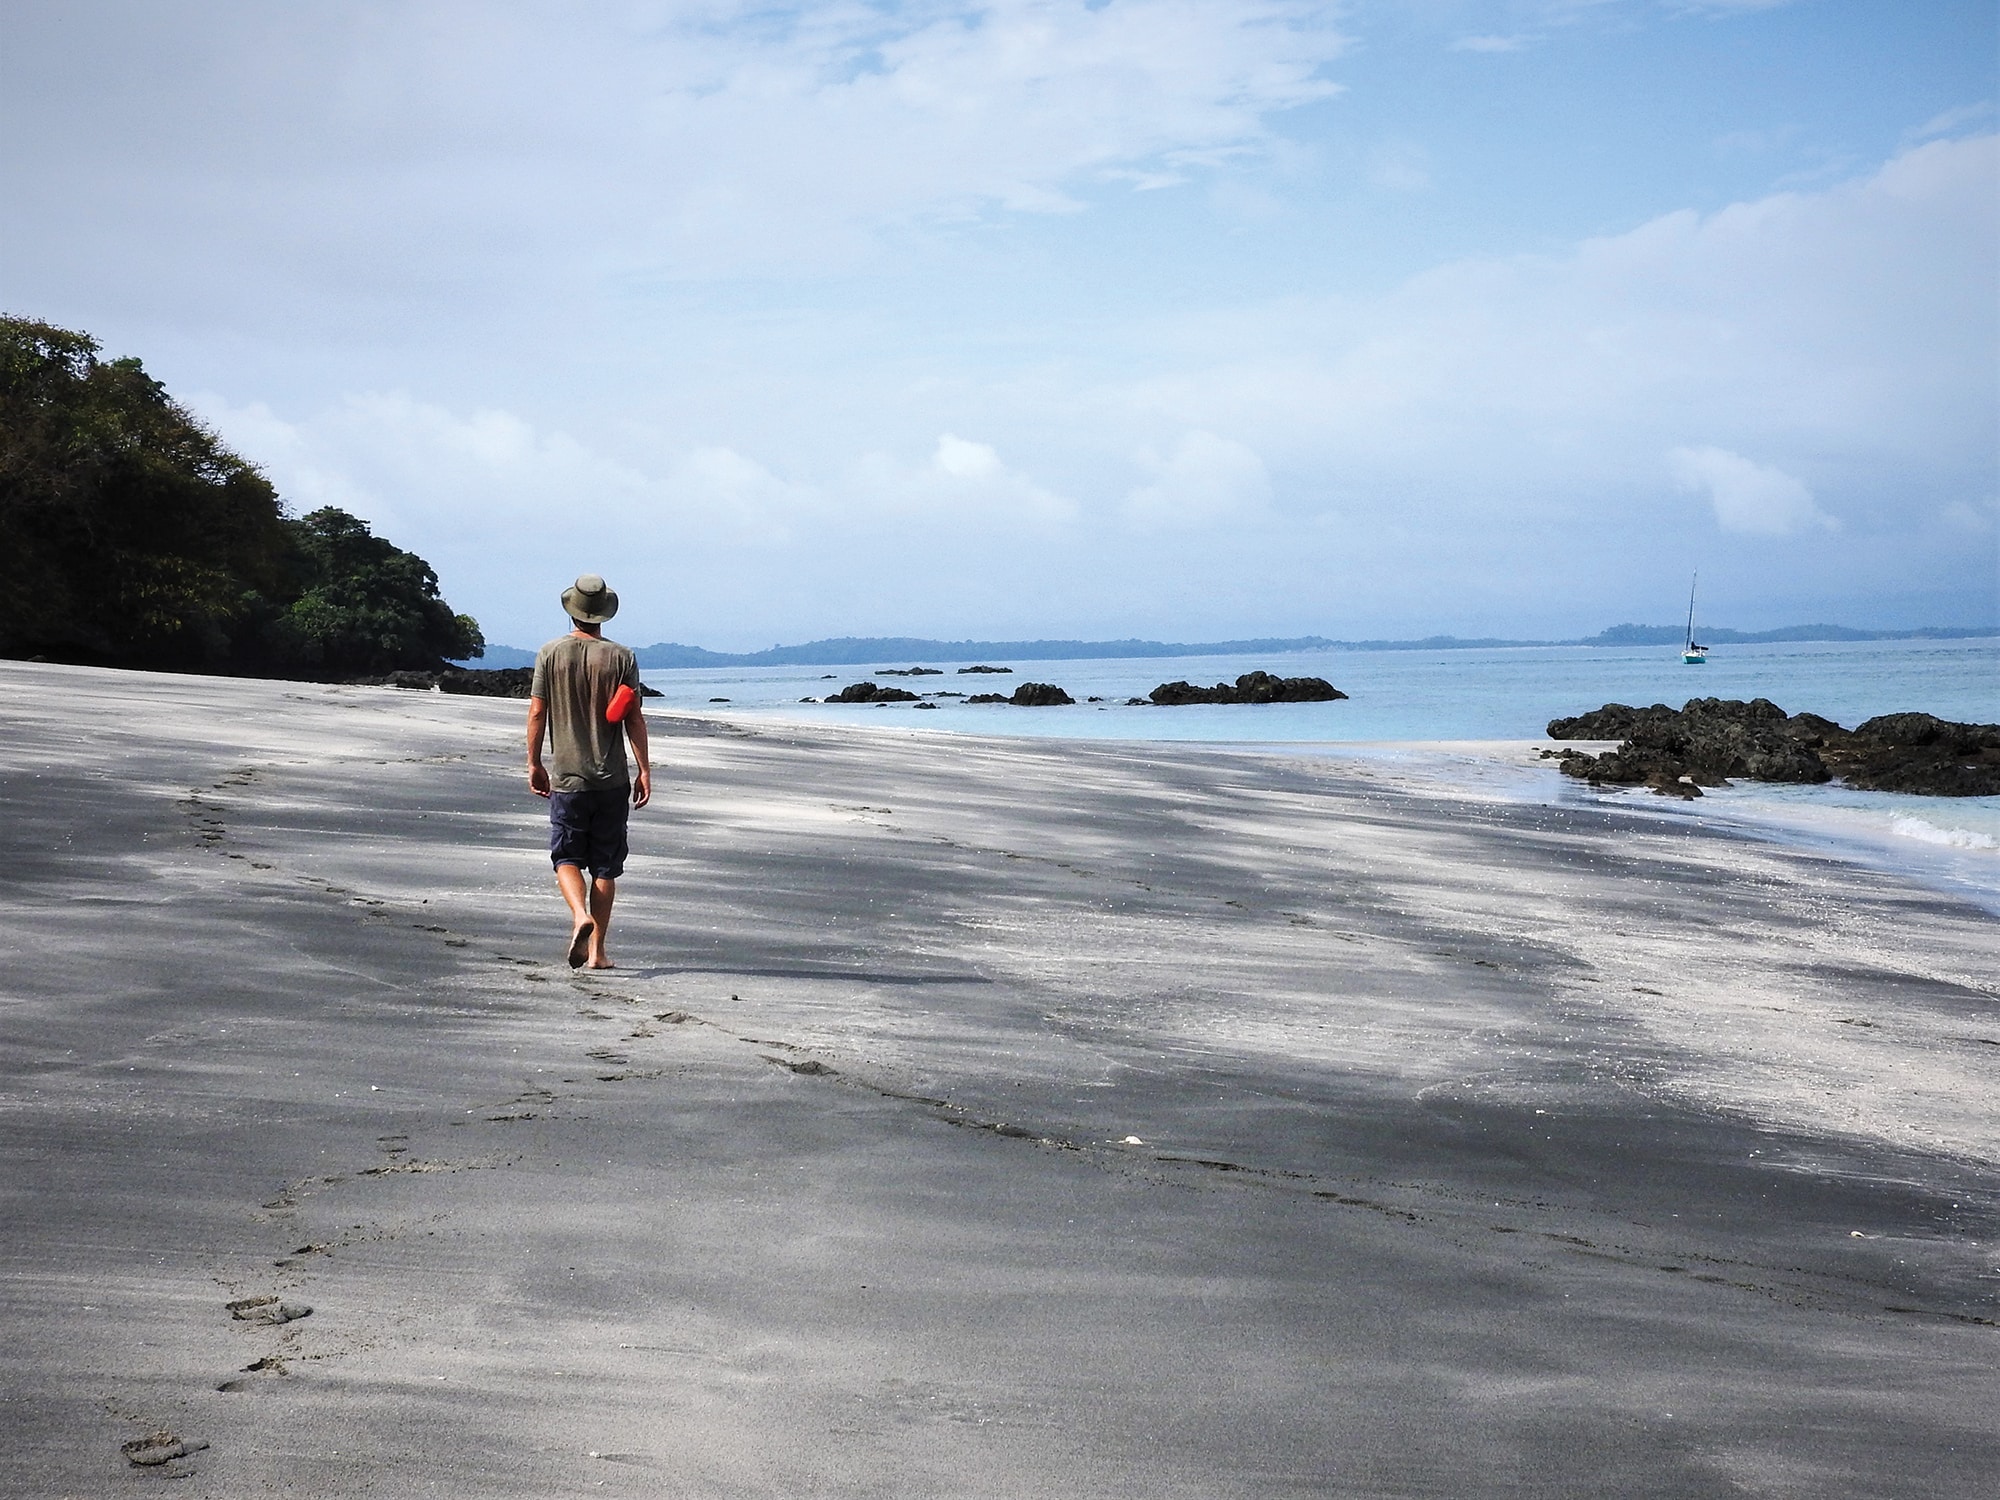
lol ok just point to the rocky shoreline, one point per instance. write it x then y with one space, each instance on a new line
1710 741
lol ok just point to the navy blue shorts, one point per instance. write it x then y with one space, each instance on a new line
588 829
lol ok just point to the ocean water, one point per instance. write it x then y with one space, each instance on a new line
1456 719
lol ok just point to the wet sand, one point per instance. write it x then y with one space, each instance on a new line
970 1118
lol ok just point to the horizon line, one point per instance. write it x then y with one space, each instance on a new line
859 650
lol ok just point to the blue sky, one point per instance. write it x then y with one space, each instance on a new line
1154 317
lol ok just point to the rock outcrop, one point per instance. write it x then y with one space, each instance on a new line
1028 695
477 682
1039 695
1708 741
1251 687
1919 753
963 670
868 692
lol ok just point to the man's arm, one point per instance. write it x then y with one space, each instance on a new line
538 728
635 731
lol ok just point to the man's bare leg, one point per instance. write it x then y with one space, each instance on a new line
583 930
602 893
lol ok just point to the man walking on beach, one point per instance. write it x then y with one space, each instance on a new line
575 704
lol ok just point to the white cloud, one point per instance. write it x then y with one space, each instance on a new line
1437 454
1204 481
413 149
1950 122
1851 328
964 482
1748 497
1401 167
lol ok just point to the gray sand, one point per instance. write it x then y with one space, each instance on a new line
1478 1149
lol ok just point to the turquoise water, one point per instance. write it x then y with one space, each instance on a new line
1399 697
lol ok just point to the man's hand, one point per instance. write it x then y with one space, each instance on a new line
635 731
538 728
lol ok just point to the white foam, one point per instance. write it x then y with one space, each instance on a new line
1951 838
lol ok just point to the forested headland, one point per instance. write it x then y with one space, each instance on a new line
130 536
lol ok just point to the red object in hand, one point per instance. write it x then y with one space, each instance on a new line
620 705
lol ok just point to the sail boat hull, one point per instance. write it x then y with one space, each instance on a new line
1693 654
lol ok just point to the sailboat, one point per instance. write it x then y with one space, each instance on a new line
1693 654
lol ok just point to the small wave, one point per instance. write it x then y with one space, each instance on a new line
1953 838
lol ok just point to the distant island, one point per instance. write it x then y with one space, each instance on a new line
867 650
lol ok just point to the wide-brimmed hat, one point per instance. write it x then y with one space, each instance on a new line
590 600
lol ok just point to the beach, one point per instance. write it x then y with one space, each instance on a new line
970 1116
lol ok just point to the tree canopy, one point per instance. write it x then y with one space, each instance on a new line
130 536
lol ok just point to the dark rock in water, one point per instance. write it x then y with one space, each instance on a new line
1670 786
1135 702
909 672
1614 721
650 692
1709 740
1039 695
868 692
1919 753
1263 687
1251 687
963 670
931 706
718 700
987 698
1175 694
808 700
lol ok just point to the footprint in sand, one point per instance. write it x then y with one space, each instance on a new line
812 1067
270 1364
266 1310
160 1447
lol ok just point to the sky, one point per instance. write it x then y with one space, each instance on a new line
1176 319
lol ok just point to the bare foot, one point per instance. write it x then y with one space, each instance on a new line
579 942
599 961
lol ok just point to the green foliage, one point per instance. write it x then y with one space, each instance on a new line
369 607
129 535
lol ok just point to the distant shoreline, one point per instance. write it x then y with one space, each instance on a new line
866 650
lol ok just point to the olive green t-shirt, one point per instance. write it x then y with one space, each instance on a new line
576 676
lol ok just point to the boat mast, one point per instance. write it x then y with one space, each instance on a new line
1690 635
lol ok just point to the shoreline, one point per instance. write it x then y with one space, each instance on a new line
973 1117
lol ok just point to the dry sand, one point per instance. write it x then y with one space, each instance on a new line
971 1118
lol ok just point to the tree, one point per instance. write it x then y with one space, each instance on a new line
369 606
130 536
